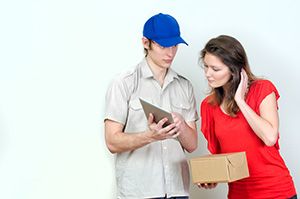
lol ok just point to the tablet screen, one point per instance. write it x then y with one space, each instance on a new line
158 112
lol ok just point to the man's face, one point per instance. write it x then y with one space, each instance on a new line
160 56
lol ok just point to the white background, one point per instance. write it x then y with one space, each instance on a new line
57 58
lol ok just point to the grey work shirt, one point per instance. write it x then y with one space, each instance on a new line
161 167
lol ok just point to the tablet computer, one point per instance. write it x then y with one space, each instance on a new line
157 112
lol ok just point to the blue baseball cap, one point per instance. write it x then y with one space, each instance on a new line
163 29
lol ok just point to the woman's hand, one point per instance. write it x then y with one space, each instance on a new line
207 185
242 88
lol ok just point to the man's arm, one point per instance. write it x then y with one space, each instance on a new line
118 141
188 136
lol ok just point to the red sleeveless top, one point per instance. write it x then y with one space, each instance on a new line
269 176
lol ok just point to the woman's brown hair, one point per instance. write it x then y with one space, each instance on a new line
230 51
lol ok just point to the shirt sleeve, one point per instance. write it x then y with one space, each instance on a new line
259 91
192 114
267 88
207 127
116 102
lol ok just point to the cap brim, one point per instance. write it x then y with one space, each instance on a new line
170 41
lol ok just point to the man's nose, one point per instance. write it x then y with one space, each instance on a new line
171 51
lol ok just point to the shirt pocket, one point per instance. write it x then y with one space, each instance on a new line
135 105
136 120
181 107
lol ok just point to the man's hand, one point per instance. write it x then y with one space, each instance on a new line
186 132
158 132
179 122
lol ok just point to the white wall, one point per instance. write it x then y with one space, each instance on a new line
57 58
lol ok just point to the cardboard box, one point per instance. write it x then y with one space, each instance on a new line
227 167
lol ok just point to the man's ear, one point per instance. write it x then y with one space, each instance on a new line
146 42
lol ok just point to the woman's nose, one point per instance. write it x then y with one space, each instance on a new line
207 72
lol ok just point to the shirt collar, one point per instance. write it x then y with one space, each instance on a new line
147 73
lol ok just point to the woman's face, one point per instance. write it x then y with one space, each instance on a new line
216 72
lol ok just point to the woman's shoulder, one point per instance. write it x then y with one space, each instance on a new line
208 102
262 83
259 89
207 99
261 86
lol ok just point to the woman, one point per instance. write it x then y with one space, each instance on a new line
240 114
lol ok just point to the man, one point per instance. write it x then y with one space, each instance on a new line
150 161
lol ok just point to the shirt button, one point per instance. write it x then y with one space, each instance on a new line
164 147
